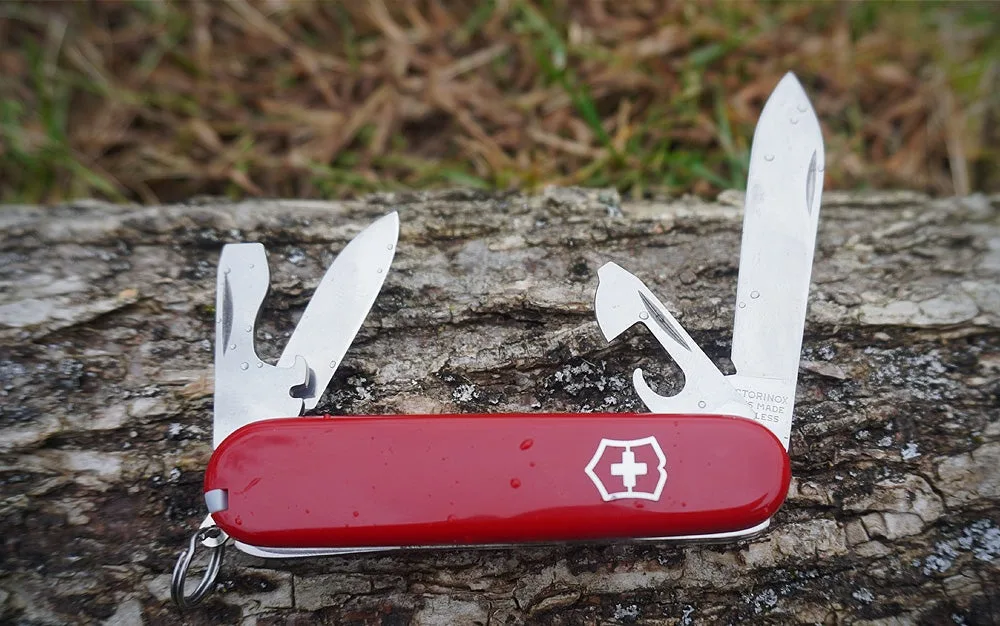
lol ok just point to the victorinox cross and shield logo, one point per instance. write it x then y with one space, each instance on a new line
631 468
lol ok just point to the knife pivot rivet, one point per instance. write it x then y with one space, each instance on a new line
768 157
754 294
643 315
244 366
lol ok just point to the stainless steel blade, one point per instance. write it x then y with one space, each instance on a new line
246 388
622 300
340 304
779 233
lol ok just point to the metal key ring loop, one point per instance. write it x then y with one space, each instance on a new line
179 576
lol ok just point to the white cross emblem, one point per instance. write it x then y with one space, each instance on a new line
628 469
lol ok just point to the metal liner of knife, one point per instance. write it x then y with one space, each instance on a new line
709 464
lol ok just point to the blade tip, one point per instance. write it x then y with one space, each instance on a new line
391 218
789 85
388 223
791 77
790 91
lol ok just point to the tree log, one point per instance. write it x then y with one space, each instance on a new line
106 335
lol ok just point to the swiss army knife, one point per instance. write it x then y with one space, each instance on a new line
707 464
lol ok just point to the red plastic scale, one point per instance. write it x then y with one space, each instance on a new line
330 482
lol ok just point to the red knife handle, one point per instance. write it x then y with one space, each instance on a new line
424 480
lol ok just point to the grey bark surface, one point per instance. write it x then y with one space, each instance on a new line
106 334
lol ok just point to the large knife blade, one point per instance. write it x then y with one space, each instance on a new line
340 305
781 214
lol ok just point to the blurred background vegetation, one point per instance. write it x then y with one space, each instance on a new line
160 101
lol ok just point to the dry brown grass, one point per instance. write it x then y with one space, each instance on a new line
159 101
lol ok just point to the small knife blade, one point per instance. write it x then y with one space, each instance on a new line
340 305
781 214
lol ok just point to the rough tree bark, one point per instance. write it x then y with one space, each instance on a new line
106 331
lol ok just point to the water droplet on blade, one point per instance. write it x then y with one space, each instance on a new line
754 294
527 443
643 315
515 483
769 157
244 366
